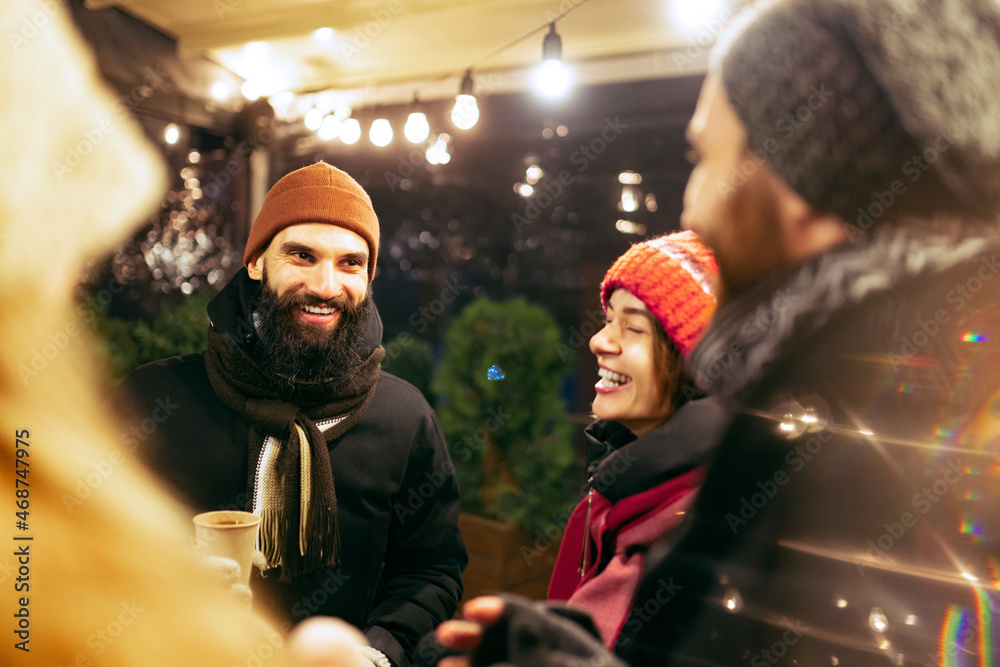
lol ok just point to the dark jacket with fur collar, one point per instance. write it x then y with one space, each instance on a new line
849 517
402 553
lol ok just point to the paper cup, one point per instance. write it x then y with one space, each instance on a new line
229 534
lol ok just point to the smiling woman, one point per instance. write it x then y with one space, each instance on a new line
630 390
650 441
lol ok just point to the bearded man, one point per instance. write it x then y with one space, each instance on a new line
288 415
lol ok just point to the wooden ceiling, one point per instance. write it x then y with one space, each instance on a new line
381 44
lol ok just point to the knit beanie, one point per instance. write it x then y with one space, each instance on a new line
852 102
673 275
317 193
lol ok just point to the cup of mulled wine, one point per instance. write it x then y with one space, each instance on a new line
228 534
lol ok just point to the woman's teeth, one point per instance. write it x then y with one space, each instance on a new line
319 311
612 379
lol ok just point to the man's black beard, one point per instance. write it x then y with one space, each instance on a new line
299 353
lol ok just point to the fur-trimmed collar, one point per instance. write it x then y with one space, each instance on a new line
753 331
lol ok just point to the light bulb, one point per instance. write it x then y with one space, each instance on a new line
693 17
416 129
380 133
250 90
350 131
313 119
329 129
437 153
323 36
552 79
220 91
465 114
629 201
625 226
171 134
256 52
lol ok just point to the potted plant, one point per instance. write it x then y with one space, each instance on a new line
507 429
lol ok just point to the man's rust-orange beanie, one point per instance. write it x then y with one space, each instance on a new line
317 193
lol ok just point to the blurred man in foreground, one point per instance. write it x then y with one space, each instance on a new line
847 178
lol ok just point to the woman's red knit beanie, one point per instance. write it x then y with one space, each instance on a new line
674 275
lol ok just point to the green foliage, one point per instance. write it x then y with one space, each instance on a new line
128 344
410 358
509 438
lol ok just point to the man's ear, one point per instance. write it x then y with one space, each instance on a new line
256 267
807 231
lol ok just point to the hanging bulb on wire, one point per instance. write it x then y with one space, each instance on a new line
551 78
465 113
380 132
416 129
313 119
329 129
350 131
437 153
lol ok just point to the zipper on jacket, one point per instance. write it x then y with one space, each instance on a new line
585 551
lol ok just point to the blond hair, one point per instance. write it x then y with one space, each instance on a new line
107 576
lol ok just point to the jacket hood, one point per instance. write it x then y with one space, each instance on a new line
685 441
231 313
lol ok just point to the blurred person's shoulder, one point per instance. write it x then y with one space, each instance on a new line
188 367
171 376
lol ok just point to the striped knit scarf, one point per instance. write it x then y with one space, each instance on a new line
290 480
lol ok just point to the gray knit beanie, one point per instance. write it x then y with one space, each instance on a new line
856 102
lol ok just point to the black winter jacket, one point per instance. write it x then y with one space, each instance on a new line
402 552
850 516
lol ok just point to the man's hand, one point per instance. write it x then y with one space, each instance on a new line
466 635
323 641
227 572
512 630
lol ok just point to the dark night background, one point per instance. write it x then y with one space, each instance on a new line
449 233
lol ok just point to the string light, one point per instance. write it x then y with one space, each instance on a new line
437 153
380 133
323 36
220 91
465 113
629 201
552 79
695 16
313 119
171 134
416 129
552 76
329 129
350 131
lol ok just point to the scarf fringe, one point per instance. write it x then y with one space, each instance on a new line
271 537
324 553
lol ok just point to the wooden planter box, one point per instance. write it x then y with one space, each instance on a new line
497 562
